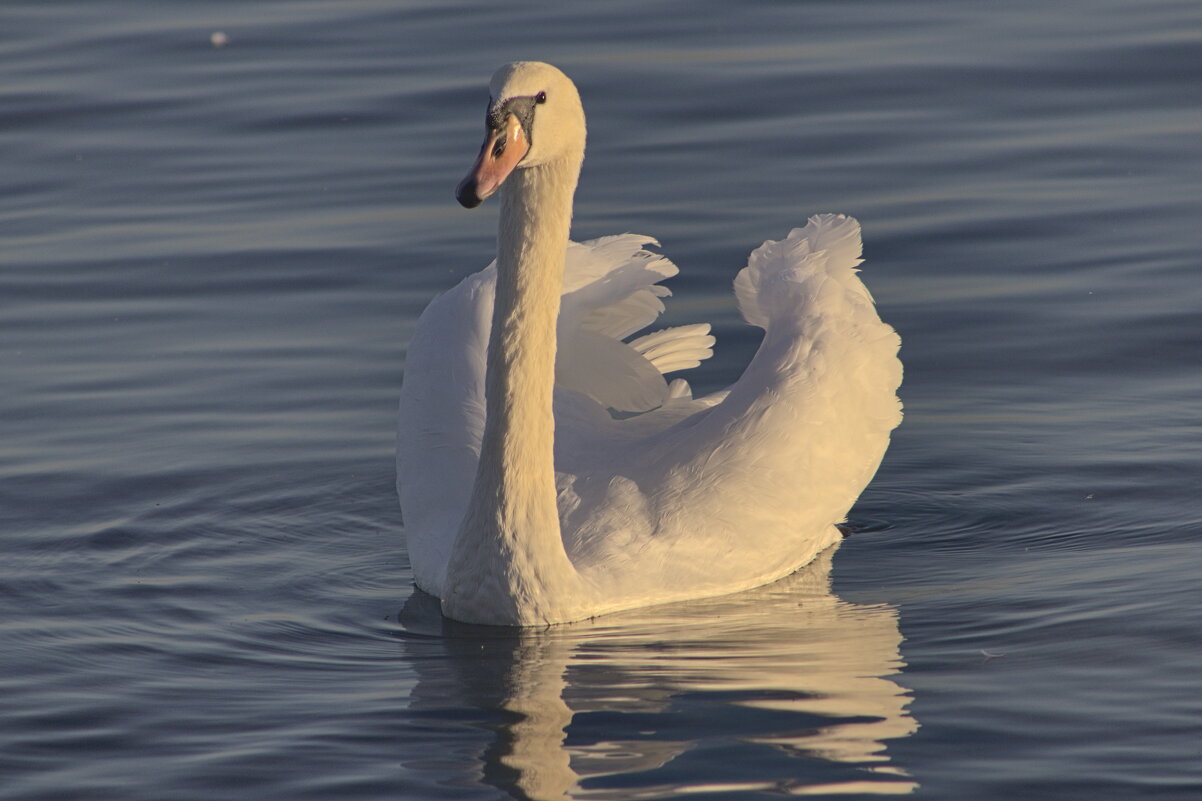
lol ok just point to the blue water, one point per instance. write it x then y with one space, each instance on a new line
211 259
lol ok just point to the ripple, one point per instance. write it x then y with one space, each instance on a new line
214 258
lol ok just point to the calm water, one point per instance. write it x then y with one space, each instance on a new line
212 259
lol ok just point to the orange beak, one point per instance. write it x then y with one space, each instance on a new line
503 148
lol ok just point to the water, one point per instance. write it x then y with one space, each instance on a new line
212 259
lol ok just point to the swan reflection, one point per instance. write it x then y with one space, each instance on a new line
784 688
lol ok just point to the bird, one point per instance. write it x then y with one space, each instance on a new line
549 472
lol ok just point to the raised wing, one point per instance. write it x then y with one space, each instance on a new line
782 456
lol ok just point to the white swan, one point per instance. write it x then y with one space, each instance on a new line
527 501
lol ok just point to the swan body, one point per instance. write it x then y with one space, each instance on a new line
547 470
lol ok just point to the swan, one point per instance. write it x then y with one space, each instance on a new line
547 470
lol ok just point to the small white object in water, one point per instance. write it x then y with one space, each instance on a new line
218 39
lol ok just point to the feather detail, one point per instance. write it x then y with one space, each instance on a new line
678 348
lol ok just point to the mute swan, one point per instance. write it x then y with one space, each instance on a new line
526 501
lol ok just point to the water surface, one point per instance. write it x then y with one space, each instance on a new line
211 260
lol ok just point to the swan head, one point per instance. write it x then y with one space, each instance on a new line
534 117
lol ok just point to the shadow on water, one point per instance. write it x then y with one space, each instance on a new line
785 688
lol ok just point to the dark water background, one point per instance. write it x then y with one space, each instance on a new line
211 260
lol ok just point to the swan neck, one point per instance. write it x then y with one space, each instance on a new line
509 563
518 445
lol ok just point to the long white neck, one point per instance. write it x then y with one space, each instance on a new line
508 565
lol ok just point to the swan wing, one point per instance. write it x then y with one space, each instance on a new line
611 291
742 488
441 421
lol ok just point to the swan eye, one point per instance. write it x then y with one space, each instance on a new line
499 147
541 97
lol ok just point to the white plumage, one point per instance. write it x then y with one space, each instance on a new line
652 495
